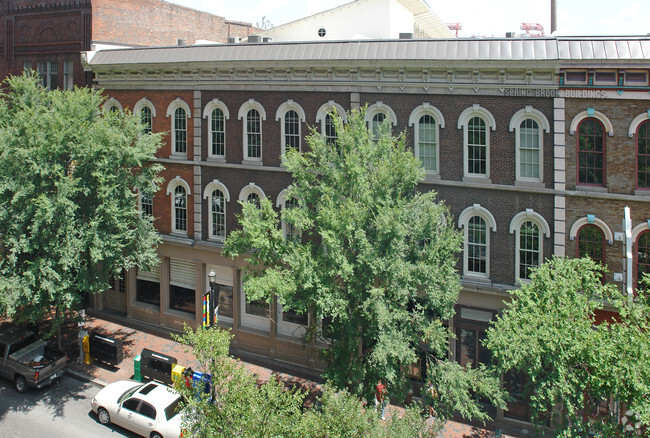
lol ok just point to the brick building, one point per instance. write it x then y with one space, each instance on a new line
496 124
48 36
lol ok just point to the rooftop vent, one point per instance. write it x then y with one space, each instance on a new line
254 38
406 35
180 42
510 35
233 40
267 39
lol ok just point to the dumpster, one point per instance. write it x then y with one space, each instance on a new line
157 366
137 374
105 349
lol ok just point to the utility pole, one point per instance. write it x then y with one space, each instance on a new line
553 17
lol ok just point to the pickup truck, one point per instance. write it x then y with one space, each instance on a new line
27 360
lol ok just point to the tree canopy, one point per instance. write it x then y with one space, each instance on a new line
372 258
68 205
581 373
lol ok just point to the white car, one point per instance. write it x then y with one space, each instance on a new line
148 409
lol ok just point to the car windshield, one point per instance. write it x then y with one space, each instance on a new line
173 408
128 393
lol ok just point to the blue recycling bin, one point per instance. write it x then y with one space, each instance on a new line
201 381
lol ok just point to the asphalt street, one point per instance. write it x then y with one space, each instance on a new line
62 410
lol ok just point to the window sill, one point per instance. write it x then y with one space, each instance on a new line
180 315
476 279
431 177
178 157
145 306
595 189
216 159
218 240
529 184
642 192
182 234
253 162
477 180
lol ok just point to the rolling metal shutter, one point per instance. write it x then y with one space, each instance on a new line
182 273
153 275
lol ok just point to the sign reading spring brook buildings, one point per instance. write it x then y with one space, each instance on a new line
548 92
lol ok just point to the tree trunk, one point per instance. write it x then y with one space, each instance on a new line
59 337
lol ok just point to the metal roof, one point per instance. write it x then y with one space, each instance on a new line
506 49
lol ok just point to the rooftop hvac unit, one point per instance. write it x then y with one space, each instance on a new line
254 38
406 35
233 40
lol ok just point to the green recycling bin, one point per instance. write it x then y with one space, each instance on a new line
137 374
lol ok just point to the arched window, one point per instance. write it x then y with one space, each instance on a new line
144 107
179 191
112 105
217 195
180 209
476 123
291 116
477 147
180 131
217 133
252 114
426 120
643 155
179 111
476 222
591 152
324 117
330 129
286 202
642 258
375 116
147 119
528 228
217 113
376 123
591 243
254 198
529 125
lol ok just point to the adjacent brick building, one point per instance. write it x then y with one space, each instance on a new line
48 36
496 123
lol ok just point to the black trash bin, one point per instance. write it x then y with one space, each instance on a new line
105 349
157 366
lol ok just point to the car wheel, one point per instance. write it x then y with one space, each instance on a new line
103 416
156 435
20 384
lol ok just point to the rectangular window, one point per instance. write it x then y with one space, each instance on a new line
146 204
225 300
591 152
182 296
291 130
68 77
49 74
636 78
180 131
606 77
576 76
257 308
148 286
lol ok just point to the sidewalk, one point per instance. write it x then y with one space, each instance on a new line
137 336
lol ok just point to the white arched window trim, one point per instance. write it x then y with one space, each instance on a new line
176 182
176 103
251 188
171 186
251 104
142 103
490 124
327 108
463 220
589 114
380 107
528 112
599 223
424 110
280 115
112 102
207 194
515 228
634 126
207 114
636 231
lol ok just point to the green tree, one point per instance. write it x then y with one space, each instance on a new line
236 405
375 260
68 209
573 364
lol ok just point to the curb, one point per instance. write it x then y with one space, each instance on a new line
84 377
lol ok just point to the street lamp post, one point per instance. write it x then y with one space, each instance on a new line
214 303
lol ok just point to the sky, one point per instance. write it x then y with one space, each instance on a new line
477 17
